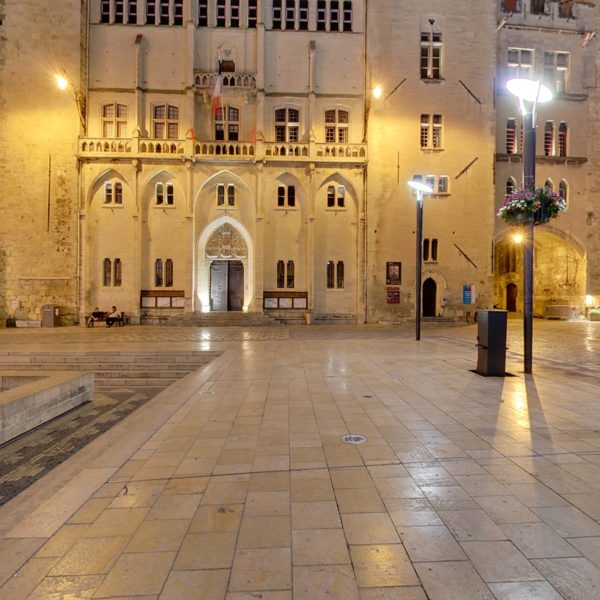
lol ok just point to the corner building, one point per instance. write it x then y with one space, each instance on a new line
243 194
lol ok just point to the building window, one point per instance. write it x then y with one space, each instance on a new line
549 138
119 12
347 16
280 274
164 194
340 274
164 12
430 250
221 13
229 128
105 11
336 197
287 124
285 274
434 249
286 196
114 120
234 13
562 139
431 55
510 6
549 185
565 9
225 191
165 124
169 272
336 126
303 15
334 15
158 272
520 63
290 274
556 71
150 12
511 136
113 193
132 12
321 15
106 272
290 14
563 190
511 186
252 14
426 249
202 13
277 17
178 12
431 131
442 186
537 7
118 273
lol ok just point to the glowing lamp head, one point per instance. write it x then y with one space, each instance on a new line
529 90
61 82
420 187
377 91
517 238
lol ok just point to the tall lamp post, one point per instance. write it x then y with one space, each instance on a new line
532 92
421 189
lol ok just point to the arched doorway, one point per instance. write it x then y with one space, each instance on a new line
511 297
429 297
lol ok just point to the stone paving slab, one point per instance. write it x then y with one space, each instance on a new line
234 482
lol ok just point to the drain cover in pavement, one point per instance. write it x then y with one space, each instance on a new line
354 438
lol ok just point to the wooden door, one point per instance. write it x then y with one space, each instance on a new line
218 285
235 295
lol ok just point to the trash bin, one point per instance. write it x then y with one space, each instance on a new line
491 343
49 315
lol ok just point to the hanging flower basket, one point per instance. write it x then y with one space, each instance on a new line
538 206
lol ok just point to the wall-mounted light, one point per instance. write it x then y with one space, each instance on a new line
62 82
377 92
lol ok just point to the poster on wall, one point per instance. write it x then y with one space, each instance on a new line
393 273
393 295
468 294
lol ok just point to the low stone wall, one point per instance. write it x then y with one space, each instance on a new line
28 403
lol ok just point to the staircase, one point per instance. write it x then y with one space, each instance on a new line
211 319
132 370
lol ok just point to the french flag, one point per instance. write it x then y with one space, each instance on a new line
216 97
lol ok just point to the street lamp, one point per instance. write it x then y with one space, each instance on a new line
63 83
421 189
532 92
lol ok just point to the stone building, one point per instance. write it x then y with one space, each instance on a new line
228 155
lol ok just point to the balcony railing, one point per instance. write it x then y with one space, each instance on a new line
222 150
244 81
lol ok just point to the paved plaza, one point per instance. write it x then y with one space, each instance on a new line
234 482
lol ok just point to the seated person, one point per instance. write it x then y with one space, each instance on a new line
113 316
97 315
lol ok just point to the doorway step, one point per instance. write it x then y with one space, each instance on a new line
212 319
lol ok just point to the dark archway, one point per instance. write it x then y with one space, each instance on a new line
429 296
511 297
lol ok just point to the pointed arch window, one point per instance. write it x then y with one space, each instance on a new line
158 272
106 272
290 274
118 275
562 139
280 274
549 185
563 190
511 185
340 274
169 272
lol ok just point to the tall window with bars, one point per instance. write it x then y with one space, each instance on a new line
511 136
163 15
549 138
252 14
431 131
334 15
277 14
119 11
234 13
202 13
336 126
177 12
104 11
150 12
132 12
347 15
287 124
227 124
303 15
221 20
562 139
431 55
290 14
321 15
165 123
114 120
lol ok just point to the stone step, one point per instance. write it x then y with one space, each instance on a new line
211 319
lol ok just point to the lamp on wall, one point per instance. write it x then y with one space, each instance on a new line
421 189
63 83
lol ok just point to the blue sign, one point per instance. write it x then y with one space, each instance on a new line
467 294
